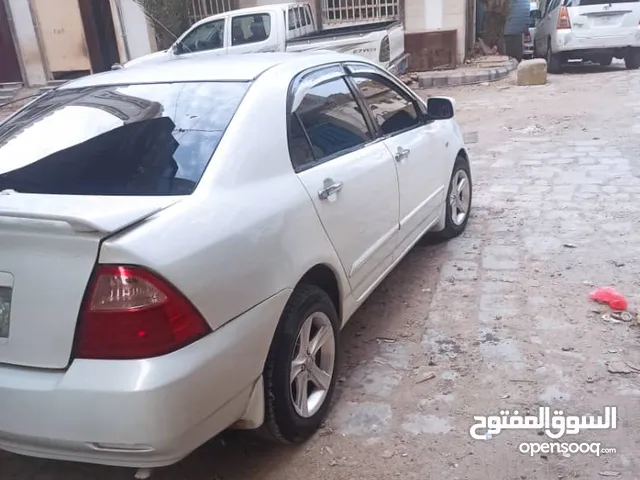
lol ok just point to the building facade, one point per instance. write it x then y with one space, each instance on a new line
48 40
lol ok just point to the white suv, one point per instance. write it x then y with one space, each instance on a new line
593 30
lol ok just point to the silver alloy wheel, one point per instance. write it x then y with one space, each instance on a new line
460 197
312 365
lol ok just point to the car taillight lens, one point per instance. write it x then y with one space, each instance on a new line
130 313
527 37
563 19
385 50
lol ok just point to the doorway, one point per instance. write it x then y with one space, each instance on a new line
99 31
9 64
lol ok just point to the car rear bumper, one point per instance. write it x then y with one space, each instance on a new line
567 41
145 413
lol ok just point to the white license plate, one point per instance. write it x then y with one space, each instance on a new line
5 311
606 20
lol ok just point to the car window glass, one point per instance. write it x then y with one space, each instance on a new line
392 111
117 140
209 36
296 18
332 121
250 29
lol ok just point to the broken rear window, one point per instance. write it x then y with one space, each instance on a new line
151 139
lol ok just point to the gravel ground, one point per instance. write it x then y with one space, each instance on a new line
497 319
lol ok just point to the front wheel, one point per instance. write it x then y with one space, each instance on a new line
300 370
458 201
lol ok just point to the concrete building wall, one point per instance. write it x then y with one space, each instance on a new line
454 18
30 57
134 34
430 15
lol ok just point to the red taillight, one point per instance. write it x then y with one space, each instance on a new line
563 19
527 37
130 313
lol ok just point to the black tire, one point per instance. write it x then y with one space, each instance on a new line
553 60
282 423
451 228
605 61
632 60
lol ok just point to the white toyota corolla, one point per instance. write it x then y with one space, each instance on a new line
180 246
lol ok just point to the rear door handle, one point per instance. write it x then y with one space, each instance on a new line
402 154
330 187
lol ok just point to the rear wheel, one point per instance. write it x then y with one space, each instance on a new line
553 60
458 201
300 370
632 59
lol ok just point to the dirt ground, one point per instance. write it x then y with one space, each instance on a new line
500 317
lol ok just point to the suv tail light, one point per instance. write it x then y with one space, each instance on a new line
130 313
563 19
527 37
385 50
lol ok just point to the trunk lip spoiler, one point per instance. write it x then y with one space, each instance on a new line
78 224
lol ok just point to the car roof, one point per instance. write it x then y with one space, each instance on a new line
241 68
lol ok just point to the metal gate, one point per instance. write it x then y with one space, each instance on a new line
199 9
339 12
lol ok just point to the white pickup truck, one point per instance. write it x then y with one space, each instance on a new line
284 27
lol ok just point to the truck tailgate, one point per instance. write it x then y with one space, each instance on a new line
396 41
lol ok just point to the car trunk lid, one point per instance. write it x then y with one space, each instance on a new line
600 18
49 245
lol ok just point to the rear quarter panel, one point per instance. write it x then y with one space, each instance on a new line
249 230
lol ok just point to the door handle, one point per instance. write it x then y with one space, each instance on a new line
330 187
402 154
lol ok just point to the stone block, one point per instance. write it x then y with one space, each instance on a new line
532 72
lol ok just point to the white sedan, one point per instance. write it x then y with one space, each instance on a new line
181 247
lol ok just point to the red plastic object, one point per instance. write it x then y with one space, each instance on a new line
611 296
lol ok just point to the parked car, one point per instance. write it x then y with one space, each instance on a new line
591 30
529 35
181 247
285 27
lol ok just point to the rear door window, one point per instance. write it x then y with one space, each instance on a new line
117 140
250 29
328 122
391 109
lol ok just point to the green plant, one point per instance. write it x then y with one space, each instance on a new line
170 18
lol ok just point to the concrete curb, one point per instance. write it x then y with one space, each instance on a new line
453 78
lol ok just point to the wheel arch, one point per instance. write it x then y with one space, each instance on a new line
325 277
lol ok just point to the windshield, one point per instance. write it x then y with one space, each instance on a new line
151 139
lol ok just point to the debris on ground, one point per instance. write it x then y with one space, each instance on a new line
610 296
622 367
387 454
569 245
609 473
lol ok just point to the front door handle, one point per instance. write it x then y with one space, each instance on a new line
402 154
330 187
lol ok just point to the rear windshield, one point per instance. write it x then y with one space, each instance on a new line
152 139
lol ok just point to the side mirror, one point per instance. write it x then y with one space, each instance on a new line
116 66
440 108
178 49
